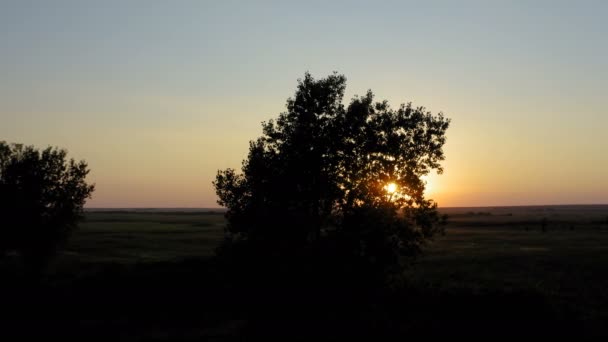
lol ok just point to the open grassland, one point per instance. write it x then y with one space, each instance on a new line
133 236
571 233
505 250
497 271
484 250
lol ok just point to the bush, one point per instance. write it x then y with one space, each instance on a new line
42 195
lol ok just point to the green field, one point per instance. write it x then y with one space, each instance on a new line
134 236
473 234
483 248
505 250
495 265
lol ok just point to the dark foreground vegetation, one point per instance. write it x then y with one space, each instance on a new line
153 276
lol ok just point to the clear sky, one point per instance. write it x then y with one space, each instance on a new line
159 95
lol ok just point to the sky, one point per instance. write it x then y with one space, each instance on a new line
158 95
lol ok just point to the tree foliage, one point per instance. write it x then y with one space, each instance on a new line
42 195
321 169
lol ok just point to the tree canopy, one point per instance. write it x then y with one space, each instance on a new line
42 195
324 169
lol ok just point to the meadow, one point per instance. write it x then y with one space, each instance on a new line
128 236
505 250
495 271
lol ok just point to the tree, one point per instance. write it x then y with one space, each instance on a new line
42 195
323 170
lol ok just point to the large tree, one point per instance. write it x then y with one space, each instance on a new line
42 195
322 169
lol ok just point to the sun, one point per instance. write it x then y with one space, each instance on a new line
391 188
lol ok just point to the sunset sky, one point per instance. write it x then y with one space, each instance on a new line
158 95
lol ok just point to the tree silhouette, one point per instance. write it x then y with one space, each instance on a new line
323 170
41 200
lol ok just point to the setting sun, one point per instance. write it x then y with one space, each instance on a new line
391 188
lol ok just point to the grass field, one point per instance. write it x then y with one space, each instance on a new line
505 250
496 265
132 236
484 249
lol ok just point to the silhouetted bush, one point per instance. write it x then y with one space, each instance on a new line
41 200
324 170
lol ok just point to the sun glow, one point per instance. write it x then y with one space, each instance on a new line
391 188
428 186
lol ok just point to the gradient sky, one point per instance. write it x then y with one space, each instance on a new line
159 95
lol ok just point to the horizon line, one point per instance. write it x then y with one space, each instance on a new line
444 207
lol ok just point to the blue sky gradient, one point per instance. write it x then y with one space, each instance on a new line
158 95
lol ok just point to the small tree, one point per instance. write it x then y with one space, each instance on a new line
352 173
41 200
